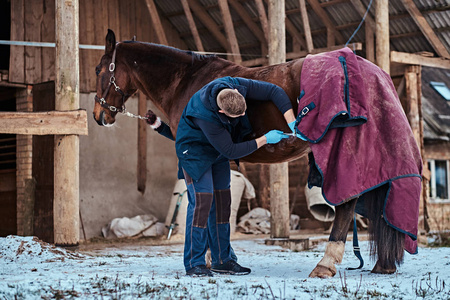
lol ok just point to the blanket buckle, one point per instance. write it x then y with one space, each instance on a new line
305 110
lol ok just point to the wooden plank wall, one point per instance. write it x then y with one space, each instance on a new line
36 22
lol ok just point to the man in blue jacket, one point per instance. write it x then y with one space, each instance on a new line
211 131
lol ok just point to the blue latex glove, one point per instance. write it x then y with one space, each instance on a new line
292 126
274 136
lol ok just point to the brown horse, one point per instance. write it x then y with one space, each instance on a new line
169 77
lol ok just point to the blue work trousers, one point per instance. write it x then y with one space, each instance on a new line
208 216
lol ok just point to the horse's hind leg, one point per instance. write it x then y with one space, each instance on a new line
334 251
385 242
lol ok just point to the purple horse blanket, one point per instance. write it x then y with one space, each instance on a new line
360 137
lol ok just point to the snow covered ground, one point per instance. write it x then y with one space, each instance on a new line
32 269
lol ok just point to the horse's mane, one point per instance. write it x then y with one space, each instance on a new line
194 56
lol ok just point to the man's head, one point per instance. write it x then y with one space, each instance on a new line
231 103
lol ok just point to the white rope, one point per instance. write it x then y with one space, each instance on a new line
131 115
99 47
48 45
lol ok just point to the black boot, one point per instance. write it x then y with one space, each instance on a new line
231 267
199 271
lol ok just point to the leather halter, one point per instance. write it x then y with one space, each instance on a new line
112 81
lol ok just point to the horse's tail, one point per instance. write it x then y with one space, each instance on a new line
386 243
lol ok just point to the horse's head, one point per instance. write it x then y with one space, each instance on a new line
114 84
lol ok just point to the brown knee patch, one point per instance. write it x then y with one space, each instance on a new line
203 202
223 206
187 178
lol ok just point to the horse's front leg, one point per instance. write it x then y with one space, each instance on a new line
334 251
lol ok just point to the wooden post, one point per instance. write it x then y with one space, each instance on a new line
382 34
279 176
370 51
142 145
66 161
412 100
369 26
264 186
413 89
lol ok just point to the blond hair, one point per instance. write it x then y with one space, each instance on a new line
231 102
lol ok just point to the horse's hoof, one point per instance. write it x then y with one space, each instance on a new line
322 272
380 270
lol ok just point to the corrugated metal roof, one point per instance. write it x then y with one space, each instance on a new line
405 34
436 110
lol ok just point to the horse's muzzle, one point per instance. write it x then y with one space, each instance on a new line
101 119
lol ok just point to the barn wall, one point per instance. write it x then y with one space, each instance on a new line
37 64
108 171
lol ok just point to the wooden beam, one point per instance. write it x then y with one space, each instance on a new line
66 200
333 2
353 46
361 9
209 23
254 28
299 54
192 26
292 30
279 173
425 28
306 27
415 59
263 17
44 123
159 29
370 27
382 34
229 29
331 27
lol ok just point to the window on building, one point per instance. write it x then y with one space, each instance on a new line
442 89
439 184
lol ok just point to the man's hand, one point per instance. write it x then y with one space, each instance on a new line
152 119
274 136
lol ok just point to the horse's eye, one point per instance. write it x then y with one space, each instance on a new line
97 70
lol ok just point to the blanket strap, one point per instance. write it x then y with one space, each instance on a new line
356 248
303 112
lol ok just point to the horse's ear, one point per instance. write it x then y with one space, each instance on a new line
110 44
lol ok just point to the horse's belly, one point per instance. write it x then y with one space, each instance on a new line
286 150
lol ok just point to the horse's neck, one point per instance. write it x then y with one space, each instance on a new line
170 77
